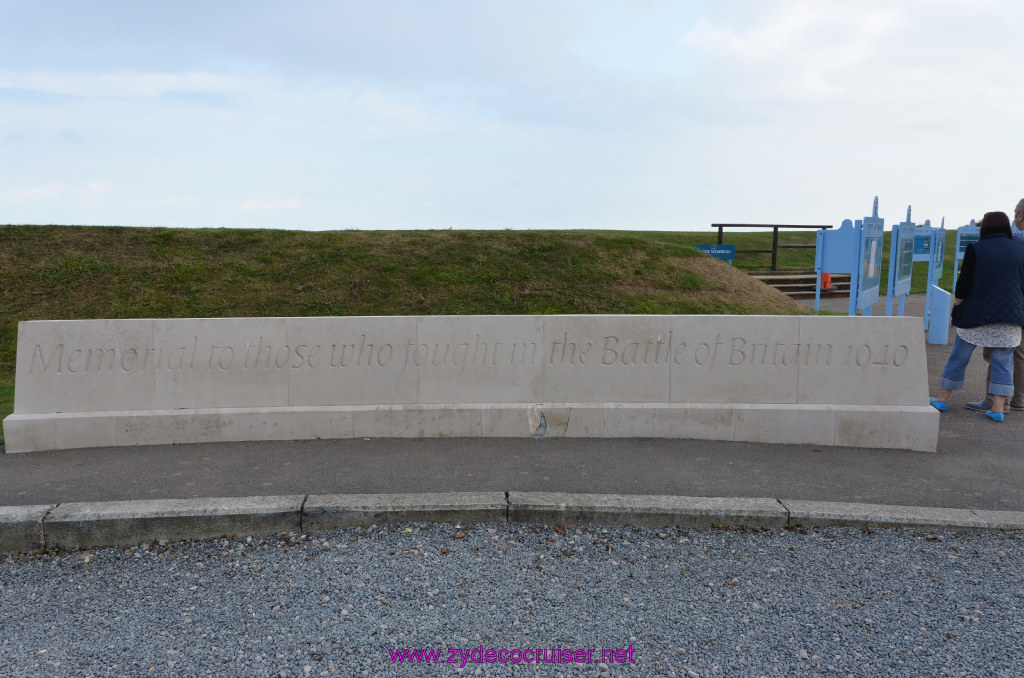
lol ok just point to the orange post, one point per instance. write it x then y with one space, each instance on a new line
826 282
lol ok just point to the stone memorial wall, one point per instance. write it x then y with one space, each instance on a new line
815 380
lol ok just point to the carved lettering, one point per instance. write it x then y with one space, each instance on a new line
58 353
477 351
100 354
180 352
680 350
342 360
134 355
610 349
564 351
259 353
523 348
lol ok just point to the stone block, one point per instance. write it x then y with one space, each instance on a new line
598 359
21 528
351 361
417 421
734 359
643 510
695 420
85 429
221 362
842 514
588 421
630 421
1001 520
793 424
478 359
327 512
902 427
287 423
90 524
878 361
30 433
778 379
160 427
73 365
509 421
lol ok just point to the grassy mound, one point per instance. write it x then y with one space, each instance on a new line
68 272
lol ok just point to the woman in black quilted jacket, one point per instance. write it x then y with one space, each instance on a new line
988 310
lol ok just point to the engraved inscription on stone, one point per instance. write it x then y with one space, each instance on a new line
720 351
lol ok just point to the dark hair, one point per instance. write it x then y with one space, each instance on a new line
995 222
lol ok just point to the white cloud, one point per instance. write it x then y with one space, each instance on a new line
34 193
127 83
54 191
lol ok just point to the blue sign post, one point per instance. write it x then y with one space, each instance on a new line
936 304
965 235
854 248
940 302
901 263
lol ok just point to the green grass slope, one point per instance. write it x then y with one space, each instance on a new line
68 272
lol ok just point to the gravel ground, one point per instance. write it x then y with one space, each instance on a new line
705 603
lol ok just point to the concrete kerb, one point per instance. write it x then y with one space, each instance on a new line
86 525
79 525
327 512
21 527
643 510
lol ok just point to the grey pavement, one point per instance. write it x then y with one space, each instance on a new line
979 465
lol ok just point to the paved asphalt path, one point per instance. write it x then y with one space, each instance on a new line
979 465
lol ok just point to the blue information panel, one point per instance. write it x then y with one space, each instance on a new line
727 252
965 235
965 238
901 263
932 254
871 266
938 253
922 245
854 248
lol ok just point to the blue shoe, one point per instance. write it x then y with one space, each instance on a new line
938 404
994 416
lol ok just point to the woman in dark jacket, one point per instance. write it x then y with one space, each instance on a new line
988 311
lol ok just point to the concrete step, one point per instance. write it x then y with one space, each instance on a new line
810 288
800 283
810 295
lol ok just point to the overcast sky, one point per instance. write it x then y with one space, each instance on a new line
644 114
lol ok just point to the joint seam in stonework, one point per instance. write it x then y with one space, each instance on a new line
42 527
302 513
789 514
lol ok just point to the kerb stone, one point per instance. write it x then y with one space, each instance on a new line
842 514
325 512
88 524
21 528
643 510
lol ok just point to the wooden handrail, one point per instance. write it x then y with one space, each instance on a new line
774 251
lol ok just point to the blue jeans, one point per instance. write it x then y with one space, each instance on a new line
1002 368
